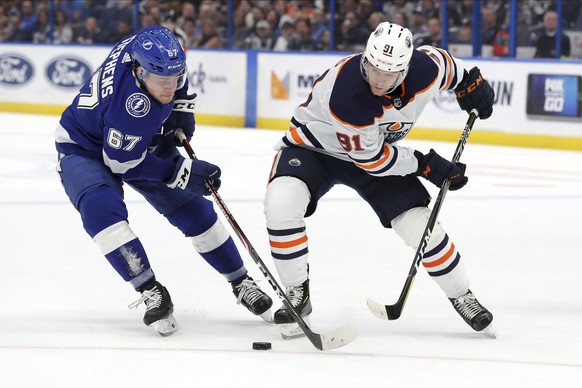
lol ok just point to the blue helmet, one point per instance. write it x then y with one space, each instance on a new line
159 52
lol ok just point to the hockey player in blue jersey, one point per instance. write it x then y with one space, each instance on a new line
121 128
347 133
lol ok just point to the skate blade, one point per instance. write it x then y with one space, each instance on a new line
292 330
166 326
267 316
490 331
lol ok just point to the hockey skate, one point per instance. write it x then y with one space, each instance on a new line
300 300
476 316
159 308
253 298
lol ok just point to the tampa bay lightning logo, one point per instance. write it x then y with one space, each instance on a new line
15 70
137 105
68 72
295 162
147 45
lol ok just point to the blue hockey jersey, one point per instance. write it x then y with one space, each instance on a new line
114 119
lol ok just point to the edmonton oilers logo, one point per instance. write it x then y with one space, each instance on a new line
68 72
15 70
137 105
295 162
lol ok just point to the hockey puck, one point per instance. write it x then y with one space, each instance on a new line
261 345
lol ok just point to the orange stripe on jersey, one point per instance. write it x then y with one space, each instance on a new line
382 160
288 244
295 136
442 259
450 66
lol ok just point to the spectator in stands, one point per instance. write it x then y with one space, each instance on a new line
404 6
490 28
546 38
418 24
302 41
91 33
318 24
433 37
400 18
123 28
375 19
63 32
282 42
189 28
261 39
430 9
28 20
43 28
352 35
240 30
323 45
13 33
463 34
209 37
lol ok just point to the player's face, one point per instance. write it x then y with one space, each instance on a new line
380 81
162 88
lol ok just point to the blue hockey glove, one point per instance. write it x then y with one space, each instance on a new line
192 174
437 169
182 116
475 92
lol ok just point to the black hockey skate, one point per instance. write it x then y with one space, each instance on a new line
159 308
300 300
469 308
252 297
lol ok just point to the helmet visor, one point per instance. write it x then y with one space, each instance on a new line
162 82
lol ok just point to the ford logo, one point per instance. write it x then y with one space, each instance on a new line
15 70
68 72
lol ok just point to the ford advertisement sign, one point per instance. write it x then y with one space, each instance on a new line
15 70
68 72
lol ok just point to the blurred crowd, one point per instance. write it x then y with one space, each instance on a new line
287 25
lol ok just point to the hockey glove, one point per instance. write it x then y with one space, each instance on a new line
437 169
192 174
475 93
182 116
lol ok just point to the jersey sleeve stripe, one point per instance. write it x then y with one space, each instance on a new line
389 165
384 157
305 132
449 67
295 136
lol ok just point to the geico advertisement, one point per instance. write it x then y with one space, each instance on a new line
530 98
284 81
219 79
45 74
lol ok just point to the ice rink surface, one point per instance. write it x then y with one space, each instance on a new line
64 320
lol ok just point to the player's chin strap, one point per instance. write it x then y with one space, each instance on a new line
393 311
327 341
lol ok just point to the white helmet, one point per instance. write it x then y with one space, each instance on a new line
389 50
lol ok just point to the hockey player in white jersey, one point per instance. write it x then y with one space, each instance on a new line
120 129
347 133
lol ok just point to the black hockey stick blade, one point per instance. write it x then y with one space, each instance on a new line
327 341
393 311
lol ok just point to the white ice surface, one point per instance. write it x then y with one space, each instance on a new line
64 320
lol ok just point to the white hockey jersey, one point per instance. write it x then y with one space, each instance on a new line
342 117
